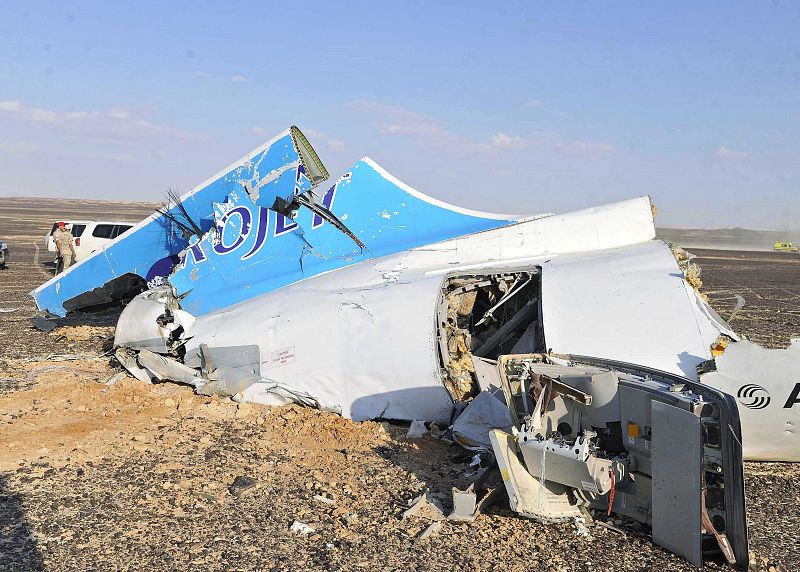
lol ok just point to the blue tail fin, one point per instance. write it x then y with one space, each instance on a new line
223 242
257 250
149 251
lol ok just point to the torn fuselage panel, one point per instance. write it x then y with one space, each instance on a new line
485 315
153 321
766 384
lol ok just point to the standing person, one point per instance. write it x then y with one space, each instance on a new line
63 239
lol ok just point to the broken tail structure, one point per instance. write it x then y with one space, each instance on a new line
272 243
148 254
259 225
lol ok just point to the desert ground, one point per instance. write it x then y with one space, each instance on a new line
97 475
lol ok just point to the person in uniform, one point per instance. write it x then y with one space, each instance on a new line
66 251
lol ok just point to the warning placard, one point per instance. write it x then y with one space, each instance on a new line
279 358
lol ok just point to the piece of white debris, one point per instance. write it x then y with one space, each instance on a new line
432 529
580 526
324 500
425 506
416 430
301 527
115 378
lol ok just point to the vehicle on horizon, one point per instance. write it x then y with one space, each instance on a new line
89 235
785 247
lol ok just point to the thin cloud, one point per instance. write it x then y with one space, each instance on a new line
589 149
115 124
503 141
395 120
19 147
725 153
336 145
317 137
239 79
533 103
10 106
327 140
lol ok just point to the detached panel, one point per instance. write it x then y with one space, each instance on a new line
677 471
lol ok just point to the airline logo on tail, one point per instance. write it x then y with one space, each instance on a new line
236 223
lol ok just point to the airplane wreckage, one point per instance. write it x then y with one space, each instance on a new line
374 300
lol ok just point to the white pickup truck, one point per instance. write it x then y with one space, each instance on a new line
89 235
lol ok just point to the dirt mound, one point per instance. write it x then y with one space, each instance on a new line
70 411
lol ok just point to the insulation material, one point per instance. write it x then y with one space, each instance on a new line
691 271
460 381
692 275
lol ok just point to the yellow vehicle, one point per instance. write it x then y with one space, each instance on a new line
785 247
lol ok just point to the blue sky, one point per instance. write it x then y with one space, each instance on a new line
522 107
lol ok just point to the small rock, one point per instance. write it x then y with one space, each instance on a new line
416 430
241 484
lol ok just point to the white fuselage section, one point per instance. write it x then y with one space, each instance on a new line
363 339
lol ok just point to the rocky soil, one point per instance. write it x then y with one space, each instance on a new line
769 282
152 477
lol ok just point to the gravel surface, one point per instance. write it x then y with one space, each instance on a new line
770 284
152 477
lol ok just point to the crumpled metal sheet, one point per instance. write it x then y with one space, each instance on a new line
484 413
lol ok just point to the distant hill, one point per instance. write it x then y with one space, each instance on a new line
36 216
727 238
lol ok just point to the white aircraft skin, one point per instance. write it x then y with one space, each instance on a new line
362 339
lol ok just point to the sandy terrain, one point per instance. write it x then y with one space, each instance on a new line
129 476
